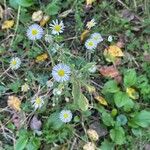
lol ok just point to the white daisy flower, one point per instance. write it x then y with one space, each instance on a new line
57 27
35 32
15 63
91 24
37 102
97 37
110 38
25 87
61 72
90 44
65 116
49 84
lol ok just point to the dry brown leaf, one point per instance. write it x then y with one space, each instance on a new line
44 20
8 24
84 35
42 57
14 103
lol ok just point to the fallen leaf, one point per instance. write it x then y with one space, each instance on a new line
35 123
8 24
44 20
84 35
65 13
132 93
89 2
100 99
42 57
14 102
1 12
109 71
37 16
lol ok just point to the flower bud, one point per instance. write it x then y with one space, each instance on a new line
89 146
92 134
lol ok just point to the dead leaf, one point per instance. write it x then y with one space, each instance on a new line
132 93
37 16
100 99
84 35
14 102
42 57
44 20
19 119
8 24
109 71
1 12
35 123
65 13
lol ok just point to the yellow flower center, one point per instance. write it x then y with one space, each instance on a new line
61 72
38 101
14 62
90 43
34 32
57 28
66 116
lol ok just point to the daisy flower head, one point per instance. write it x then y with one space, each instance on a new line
97 37
57 27
90 44
15 63
65 116
37 102
35 32
91 24
61 72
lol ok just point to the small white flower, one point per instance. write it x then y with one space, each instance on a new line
90 44
49 84
65 116
57 27
15 63
57 91
35 32
92 69
97 37
91 24
49 38
37 102
25 87
61 72
110 38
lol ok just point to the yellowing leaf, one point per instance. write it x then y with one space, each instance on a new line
101 100
132 93
42 57
91 89
44 20
84 35
8 24
14 103
89 2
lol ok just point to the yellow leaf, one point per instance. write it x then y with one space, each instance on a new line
132 93
84 35
101 100
42 57
89 2
14 103
44 20
7 24
91 89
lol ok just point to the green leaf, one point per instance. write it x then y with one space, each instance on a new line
14 4
15 86
110 87
22 141
25 3
122 99
83 102
106 145
130 78
107 119
76 91
118 135
52 8
142 119
33 144
122 119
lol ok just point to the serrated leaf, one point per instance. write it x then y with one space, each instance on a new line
107 119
